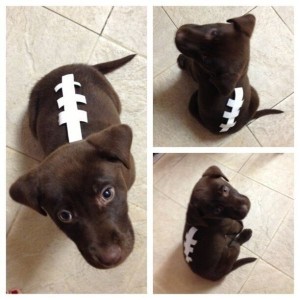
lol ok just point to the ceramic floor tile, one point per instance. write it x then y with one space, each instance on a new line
39 41
181 179
268 209
91 17
163 166
272 170
271 70
164 50
132 35
267 280
280 252
233 161
173 125
16 165
168 223
242 138
286 13
205 14
276 130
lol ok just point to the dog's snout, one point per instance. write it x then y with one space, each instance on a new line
111 255
107 256
244 209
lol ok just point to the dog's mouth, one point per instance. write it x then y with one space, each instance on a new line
240 214
104 258
110 254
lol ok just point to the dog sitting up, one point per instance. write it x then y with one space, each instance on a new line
217 58
213 231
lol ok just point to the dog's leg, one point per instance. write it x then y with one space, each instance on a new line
182 61
225 264
188 64
244 236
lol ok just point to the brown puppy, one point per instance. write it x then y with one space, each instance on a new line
82 185
217 57
213 230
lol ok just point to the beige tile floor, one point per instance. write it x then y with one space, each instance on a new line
40 259
267 179
271 73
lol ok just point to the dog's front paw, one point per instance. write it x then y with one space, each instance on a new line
244 236
181 61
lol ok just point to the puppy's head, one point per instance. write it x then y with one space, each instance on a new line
221 50
83 187
214 197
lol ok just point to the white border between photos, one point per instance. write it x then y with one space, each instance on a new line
150 149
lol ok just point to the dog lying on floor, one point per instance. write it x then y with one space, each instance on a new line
217 57
213 231
82 183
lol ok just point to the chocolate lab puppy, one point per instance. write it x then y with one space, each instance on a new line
217 57
213 231
82 183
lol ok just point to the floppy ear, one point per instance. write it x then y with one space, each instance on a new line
214 172
244 24
114 143
225 83
25 191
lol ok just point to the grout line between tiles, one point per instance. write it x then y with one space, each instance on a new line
164 70
283 99
162 192
290 30
97 33
110 39
93 49
251 154
251 10
13 222
105 23
254 136
282 220
24 154
59 14
270 188
169 17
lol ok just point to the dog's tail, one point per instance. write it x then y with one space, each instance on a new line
114 64
242 261
265 112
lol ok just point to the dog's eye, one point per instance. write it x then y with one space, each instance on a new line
225 190
65 216
214 32
108 193
217 210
